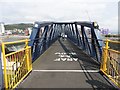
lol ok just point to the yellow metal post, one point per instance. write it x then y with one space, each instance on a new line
27 54
105 55
30 57
4 62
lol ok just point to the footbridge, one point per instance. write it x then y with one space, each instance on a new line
61 55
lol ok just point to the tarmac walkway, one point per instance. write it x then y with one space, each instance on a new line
64 65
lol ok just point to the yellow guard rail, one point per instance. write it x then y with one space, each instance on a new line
16 65
110 64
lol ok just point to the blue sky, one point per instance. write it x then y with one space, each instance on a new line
105 12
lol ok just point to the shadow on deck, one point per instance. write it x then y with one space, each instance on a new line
64 65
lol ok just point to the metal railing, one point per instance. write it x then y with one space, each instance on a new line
110 65
16 65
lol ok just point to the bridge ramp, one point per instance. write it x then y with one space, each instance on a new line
64 65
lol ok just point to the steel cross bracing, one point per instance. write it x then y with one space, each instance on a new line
45 33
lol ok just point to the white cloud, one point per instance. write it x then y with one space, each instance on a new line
59 0
104 12
111 24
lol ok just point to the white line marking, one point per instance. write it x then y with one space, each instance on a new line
94 71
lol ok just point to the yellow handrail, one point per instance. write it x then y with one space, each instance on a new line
17 65
110 63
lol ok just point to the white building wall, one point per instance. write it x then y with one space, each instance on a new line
30 31
2 29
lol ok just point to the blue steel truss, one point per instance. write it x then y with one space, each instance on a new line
46 33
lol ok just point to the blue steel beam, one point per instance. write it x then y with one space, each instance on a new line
50 33
45 38
74 35
69 30
95 44
52 30
77 34
53 34
83 39
87 44
85 23
42 24
73 32
80 40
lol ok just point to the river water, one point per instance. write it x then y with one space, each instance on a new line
13 47
12 38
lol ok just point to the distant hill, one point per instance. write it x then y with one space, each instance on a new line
22 26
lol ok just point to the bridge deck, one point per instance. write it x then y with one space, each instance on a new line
64 65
